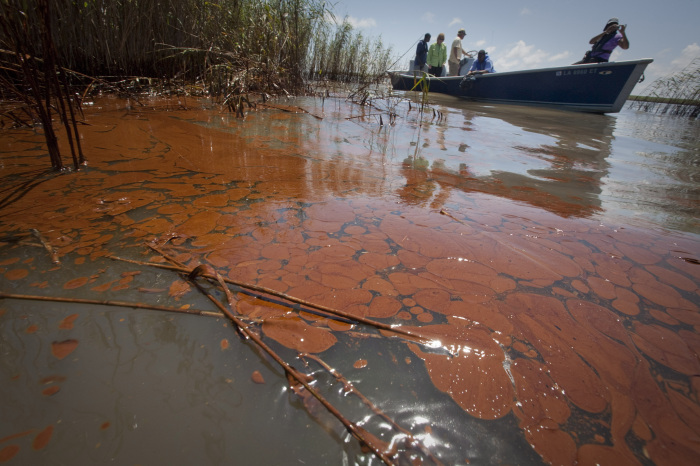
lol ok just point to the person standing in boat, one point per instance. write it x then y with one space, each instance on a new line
456 53
604 43
420 63
437 56
481 65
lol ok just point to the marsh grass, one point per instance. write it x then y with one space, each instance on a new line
678 94
34 82
54 52
421 85
224 46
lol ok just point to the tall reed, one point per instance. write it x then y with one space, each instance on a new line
226 45
338 53
678 94
32 78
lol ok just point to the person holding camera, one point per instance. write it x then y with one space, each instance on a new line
604 43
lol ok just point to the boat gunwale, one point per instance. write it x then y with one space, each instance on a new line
533 70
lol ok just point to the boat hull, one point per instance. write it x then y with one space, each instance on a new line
595 88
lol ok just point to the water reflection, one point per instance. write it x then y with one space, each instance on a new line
143 388
633 166
657 173
479 227
572 164
551 160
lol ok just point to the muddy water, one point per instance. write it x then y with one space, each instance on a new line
549 261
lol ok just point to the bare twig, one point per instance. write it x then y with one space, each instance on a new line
298 376
52 252
109 303
290 109
350 388
260 289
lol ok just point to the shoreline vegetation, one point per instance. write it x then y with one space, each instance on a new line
55 53
662 100
220 46
677 94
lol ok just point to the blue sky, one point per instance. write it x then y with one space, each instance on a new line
535 33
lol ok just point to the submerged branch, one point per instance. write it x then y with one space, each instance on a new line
44 242
292 373
348 387
278 294
98 302
292 109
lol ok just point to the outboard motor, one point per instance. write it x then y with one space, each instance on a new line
467 82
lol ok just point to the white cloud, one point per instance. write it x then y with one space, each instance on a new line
519 50
520 57
361 23
455 21
428 17
688 54
525 12
559 56
665 66
616 54
665 52
329 17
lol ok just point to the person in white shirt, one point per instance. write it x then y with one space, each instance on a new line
456 53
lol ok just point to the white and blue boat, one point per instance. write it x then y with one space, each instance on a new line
593 88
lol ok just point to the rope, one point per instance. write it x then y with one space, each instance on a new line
404 54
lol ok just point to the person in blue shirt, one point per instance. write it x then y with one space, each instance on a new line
481 65
422 54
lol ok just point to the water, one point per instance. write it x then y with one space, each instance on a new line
549 260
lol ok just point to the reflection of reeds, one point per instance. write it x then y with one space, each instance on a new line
678 94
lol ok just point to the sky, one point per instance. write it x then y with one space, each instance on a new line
534 33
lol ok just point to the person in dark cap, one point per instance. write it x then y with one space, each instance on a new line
422 54
604 43
481 65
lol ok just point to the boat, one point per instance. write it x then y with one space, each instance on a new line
593 88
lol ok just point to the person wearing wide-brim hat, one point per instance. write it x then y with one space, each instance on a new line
613 35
